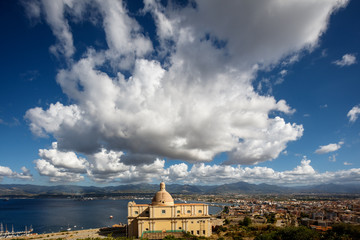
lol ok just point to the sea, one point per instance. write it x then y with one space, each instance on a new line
55 215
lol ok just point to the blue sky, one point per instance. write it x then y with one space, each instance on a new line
198 92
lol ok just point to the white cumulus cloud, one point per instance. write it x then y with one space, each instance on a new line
7 172
304 174
332 147
353 114
51 120
346 60
25 174
60 165
60 27
189 98
60 159
107 166
56 174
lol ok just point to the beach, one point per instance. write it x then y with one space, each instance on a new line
79 234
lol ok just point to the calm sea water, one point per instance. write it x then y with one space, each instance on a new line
54 215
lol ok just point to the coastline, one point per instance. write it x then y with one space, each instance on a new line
70 235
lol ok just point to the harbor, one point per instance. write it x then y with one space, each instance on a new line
4 233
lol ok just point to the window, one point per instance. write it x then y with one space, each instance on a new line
200 211
147 229
204 232
163 211
188 211
192 232
136 212
192 222
178 211
180 228
197 232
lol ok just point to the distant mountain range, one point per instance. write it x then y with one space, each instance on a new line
12 190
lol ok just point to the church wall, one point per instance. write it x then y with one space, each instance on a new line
159 218
163 215
191 210
132 227
161 211
198 227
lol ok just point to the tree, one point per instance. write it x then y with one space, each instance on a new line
271 218
343 231
290 233
246 221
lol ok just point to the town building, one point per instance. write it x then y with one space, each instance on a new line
164 217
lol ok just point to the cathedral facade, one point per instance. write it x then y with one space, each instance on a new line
165 216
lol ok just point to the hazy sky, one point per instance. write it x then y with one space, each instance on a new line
100 92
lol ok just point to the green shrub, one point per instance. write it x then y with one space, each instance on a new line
246 222
290 233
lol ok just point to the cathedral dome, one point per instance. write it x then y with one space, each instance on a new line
162 197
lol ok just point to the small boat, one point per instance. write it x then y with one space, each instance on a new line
111 217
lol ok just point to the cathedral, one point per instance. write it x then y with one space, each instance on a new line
164 217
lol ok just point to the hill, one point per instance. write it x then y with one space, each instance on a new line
13 190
